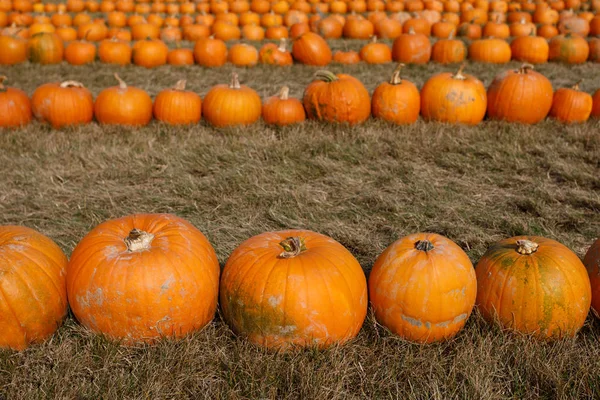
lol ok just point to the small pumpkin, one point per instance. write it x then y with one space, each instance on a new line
306 290
376 53
346 57
283 110
311 49
114 51
522 95
530 49
272 54
45 48
569 48
180 56
210 52
533 285
571 105
243 55
412 48
15 106
150 53
423 288
592 264
337 98
33 284
454 98
123 105
397 101
142 277
177 106
80 52
63 104
490 50
13 50
449 51
230 105
594 50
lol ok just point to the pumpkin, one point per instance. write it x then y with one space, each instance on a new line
337 98
94 31
522 95
496 51
575 25
311 49
531 49
114 51
569 48
388 28
34 301
293 288
45 48
210 52
177 106
522 28
272 54
13 50
423 288
15 106
496 29
358 28
230 105
282 109
533 285
571 105
150 53
80 52
243 55
123 105
346 57
592 264
596 104
454 98
470 30
376 53
398 101
142 277
180 56
449 51
411 47
594 50
63 104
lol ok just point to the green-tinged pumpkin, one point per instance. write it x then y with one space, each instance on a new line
45 48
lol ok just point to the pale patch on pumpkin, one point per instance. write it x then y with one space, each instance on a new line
274 301
167 284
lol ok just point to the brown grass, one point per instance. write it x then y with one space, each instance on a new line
364 186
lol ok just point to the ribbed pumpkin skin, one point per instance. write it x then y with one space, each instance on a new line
531 49
177 107
495 51
62 106
311 49
398 101
114 52
15 108
571 105
317 298
123 105
570 49
411 48
210 52
448 51
45 48
519 96
592 264
344 99
423 296
14 50
546 293
170 289
33 295
283 110
230 105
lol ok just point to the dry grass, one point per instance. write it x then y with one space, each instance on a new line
365 186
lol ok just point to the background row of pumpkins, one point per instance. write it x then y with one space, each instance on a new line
308 48
146 276
522 95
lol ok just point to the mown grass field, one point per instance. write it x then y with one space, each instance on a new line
365 186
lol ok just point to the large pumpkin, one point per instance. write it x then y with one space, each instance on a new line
63 104
229 105
533 285
210 52
142 277
569 48
311 49
15 106
454 98
411 48
423 288
521 95
397 101
177 106
337 98
123 105
592 263
45 48
293 287
33 303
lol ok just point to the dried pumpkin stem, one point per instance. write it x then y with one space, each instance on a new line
525 68
451 35
68 84
292 247
122 83
138 240
424 245
459 75
180 85
235 81
411 31
396 78
326 76
284 93
282 44
2 80
576 85
526 247
374 39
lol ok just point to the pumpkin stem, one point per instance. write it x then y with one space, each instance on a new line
235 81
374 39
396 78
326 76
459 74
525 68
526 247
576 85
138 240
284 93
411 31
424 245
451 35
292 247
282 44
122 83
2 80
180 85
68 84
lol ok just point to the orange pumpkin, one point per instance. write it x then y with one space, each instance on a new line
13 50
123 105
337 98
283 110
80 52
283 304
114 51
177 106
569 48
243 55
45 48
33 284
150 53
63 104
411 47
210 52
533 285
592 264
496 51
15 106
376 53
346 57
398 101
272 54
230 105
142 277
449 51
596 104
180 56
522 95
454 98
571 105
311 49
531 49
423 288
